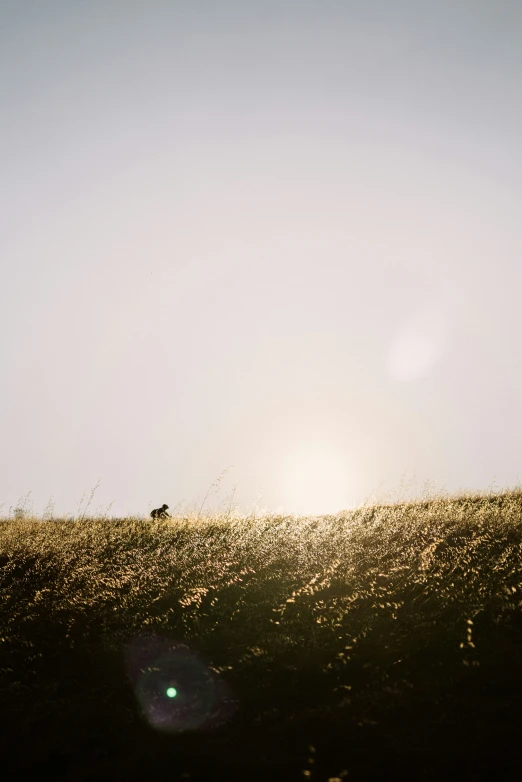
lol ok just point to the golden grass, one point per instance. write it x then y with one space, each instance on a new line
354 615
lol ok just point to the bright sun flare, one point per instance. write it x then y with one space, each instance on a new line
315 482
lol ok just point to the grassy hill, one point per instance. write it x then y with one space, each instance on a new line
384 643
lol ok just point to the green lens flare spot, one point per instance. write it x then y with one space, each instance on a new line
172 692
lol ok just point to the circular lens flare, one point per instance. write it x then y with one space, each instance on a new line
176 691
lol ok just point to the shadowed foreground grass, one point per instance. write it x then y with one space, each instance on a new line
380 644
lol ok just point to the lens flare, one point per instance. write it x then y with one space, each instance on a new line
175 690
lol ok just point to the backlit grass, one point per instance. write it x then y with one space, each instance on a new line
384 641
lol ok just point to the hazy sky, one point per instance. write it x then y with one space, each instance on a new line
280 235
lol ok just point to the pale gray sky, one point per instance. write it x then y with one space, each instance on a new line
284 236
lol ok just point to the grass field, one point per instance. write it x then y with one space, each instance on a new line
384 643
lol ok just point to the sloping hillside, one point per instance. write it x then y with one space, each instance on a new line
384 643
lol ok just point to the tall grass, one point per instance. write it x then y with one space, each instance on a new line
388 639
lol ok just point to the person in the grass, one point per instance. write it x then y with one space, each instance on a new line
160 513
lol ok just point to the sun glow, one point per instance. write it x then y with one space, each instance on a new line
315 481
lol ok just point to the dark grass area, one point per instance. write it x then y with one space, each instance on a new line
382 644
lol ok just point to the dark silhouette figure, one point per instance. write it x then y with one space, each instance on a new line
160 513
